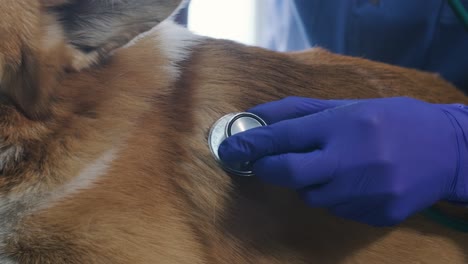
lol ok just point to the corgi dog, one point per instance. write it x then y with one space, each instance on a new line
105 109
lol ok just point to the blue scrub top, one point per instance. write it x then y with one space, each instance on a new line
421 34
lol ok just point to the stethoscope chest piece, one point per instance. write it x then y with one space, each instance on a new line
228 126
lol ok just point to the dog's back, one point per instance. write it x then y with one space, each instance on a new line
108 161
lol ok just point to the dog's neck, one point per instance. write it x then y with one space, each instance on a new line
117 94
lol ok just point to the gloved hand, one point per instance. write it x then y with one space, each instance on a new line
376 161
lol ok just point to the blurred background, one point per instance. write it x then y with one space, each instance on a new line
240 23
264 23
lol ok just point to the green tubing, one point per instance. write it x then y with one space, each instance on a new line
460 11
445 220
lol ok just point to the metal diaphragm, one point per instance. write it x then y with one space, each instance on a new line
228 126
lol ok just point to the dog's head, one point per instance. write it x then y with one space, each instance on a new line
42 44
43 39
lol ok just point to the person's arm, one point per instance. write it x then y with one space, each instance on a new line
376 161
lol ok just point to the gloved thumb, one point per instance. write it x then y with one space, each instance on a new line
293 135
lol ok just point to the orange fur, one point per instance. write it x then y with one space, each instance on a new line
162 198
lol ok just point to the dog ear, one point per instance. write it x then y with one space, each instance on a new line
66 35
97 27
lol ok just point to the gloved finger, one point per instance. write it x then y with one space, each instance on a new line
296 170
292 135
294 107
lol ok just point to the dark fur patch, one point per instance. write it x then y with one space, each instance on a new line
22 82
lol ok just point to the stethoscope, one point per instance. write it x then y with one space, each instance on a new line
228 126
460 11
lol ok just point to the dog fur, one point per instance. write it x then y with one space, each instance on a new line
104 118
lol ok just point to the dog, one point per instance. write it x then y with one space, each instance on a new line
104 116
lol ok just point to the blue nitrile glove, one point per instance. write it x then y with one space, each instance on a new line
376 161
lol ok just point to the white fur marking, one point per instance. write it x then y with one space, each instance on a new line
82 181
53 37
16 205
176 43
